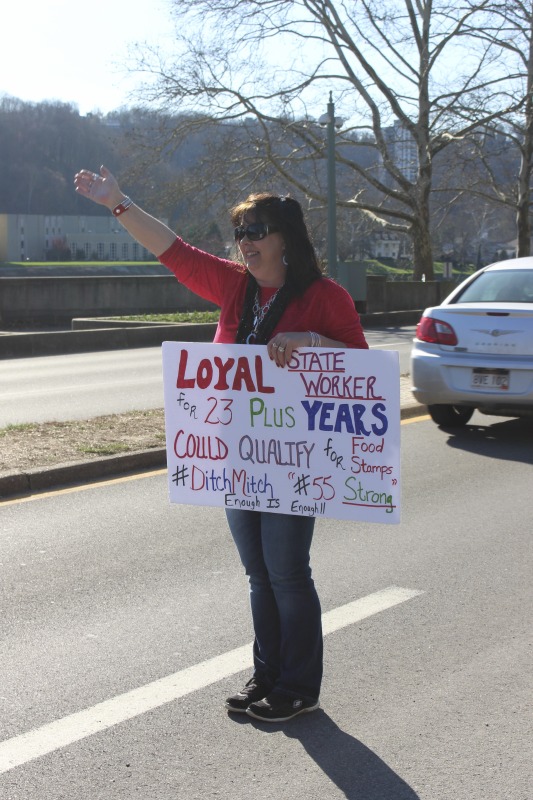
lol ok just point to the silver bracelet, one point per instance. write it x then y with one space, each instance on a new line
316 341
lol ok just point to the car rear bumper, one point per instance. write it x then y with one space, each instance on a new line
439 377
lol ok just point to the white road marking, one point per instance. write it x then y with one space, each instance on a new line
62 732
365 607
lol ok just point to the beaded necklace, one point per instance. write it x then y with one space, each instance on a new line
256 327
259 313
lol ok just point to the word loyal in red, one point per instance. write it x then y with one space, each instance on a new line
241 374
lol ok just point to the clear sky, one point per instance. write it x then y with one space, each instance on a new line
76 51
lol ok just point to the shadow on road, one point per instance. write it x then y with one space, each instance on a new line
510 440
348 763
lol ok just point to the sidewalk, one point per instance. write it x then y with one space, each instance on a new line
79 472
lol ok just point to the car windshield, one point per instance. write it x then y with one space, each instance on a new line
501 286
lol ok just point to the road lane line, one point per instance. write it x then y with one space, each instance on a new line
365 607
20 749
417 418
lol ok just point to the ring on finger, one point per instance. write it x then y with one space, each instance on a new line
281 349
275 346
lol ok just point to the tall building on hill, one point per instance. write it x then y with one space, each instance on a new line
402 150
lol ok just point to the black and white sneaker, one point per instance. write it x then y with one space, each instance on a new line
278 707
254 690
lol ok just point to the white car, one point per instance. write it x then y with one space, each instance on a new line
475 350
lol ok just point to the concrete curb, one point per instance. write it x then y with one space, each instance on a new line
53 343
45 478
38 480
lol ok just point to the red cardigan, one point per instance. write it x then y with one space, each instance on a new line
325 307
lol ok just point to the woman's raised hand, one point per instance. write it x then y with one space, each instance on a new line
100 188
152 234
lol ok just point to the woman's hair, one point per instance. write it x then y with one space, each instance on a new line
286 215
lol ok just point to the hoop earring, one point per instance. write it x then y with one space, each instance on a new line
284 259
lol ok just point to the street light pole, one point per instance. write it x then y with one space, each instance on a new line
332 192
331 123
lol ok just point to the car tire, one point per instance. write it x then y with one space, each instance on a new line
450 416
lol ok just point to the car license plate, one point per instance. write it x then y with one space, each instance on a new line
484 378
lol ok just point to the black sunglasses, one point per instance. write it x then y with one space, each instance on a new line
254 231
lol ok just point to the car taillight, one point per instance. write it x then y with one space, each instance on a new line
435 331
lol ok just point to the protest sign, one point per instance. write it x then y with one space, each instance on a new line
320 437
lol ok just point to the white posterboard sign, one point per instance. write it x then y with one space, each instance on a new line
319 437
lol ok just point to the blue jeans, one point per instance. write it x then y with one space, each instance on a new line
286 614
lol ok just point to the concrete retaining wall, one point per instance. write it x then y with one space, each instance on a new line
384 295
54 301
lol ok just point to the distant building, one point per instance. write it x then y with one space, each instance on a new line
402 150
384 245
30 237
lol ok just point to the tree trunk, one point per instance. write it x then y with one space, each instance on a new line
421 226
523 219
523 222
422 251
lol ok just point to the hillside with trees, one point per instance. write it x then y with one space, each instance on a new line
191 168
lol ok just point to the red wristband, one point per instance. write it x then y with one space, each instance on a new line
122 207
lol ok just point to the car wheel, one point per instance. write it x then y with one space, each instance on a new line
450 416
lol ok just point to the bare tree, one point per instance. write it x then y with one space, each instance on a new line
508 28
404 73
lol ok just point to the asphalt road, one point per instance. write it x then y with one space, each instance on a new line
107 590
88 385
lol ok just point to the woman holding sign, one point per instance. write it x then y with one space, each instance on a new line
278 298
